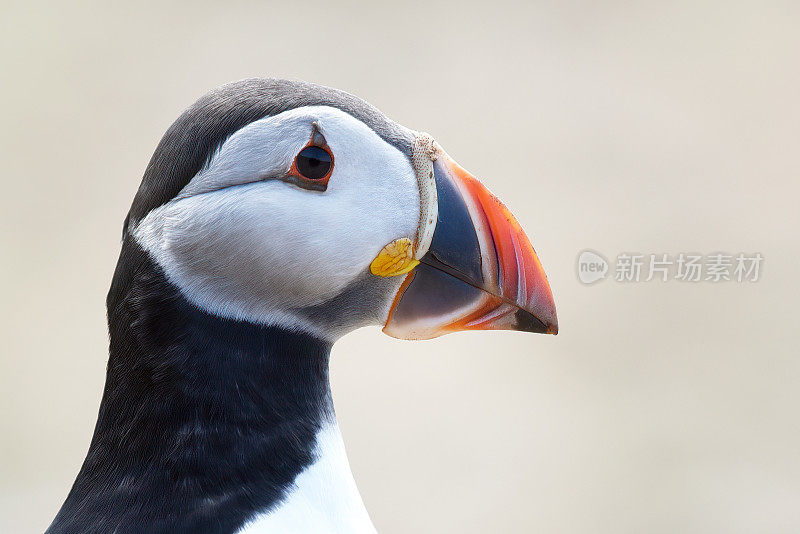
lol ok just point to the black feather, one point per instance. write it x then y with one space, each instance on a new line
204 421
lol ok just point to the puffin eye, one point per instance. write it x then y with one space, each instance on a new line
314 163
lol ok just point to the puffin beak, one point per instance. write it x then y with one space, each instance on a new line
480 272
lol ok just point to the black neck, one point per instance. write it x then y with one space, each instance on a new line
204 421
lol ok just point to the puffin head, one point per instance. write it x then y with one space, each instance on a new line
296 205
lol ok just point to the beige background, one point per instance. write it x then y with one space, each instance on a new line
617 126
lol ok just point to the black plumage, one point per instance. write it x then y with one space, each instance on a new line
204 421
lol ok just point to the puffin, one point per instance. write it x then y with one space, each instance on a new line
273 218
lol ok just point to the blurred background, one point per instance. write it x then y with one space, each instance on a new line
648 127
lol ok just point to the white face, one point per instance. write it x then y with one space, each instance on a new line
242 243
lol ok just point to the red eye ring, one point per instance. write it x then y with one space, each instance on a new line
313 165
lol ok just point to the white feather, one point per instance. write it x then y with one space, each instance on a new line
257 250
323 499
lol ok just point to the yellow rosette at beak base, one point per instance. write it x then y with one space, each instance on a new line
394 259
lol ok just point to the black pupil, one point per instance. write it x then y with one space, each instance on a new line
313 162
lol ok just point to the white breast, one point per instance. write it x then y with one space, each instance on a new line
323 499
